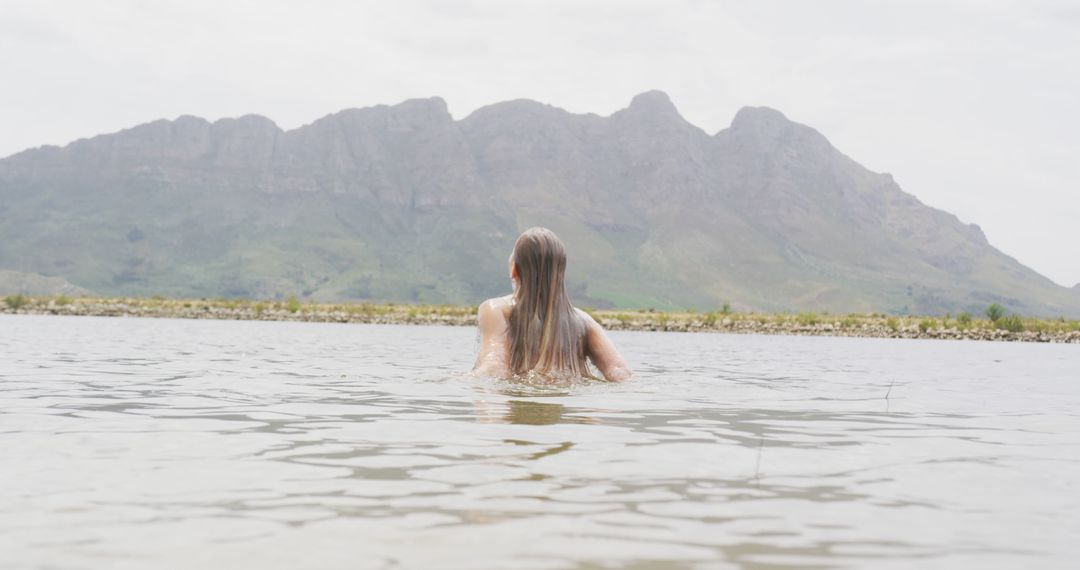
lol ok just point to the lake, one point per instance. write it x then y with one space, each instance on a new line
153 443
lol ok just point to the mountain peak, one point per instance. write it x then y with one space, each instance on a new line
653 102
760 118
765 129
432 106
518 106
653 110
243 122
419 111
190 120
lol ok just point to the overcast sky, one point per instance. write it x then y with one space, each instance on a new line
971 105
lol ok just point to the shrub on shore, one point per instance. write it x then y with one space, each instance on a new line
16 302
1011 323
892 324
995 312
963 319
808 318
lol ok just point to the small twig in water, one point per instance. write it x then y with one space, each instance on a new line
757 467
889 391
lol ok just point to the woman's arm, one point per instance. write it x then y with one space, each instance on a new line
603 352
493 357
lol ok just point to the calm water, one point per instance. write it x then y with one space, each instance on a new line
140 443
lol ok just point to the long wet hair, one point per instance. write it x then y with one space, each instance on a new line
546 333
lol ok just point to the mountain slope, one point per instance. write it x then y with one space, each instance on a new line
404 203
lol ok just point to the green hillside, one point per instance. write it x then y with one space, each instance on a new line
403 203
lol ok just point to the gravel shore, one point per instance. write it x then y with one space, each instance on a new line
806 324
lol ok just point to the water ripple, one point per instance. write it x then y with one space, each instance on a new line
133 443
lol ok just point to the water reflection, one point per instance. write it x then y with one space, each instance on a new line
534 413
564 446
526 412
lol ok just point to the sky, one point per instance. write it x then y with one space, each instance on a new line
970 105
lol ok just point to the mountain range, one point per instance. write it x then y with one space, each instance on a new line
404 203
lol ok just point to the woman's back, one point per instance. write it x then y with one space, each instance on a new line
536 328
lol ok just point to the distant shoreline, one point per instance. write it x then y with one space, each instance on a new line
801 324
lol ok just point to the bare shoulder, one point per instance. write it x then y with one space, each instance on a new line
603 352
594 332
497 306
492 318
493 314
590 323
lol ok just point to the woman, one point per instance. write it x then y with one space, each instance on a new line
536 329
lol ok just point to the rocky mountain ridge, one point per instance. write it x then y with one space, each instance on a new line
405 203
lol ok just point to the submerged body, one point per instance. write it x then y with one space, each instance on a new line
493 318
536 329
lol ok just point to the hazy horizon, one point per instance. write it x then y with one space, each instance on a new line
965 104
